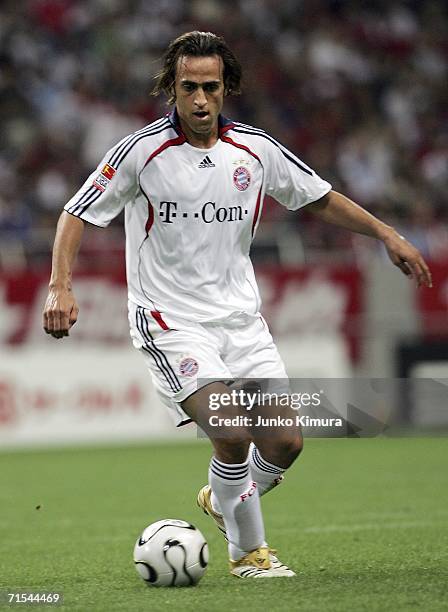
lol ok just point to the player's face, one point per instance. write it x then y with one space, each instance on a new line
199 89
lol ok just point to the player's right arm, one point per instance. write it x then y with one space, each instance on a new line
103 196
98 201
61 310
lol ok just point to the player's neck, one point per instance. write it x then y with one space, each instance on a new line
201 141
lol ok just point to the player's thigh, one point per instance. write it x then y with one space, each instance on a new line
180 359
252 353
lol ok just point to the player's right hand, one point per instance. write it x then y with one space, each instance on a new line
60 312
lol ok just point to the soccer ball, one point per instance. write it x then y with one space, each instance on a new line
171 553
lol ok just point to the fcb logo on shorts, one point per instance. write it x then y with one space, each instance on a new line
241 178
104 178
188 366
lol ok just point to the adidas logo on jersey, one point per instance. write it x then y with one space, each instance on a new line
206 163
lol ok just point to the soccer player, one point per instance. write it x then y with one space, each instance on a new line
192 186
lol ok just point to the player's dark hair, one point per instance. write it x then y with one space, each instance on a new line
197 44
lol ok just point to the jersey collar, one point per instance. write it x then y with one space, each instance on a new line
224 124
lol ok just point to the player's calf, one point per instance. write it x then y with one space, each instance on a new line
280 450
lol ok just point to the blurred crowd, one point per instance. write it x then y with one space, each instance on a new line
357 90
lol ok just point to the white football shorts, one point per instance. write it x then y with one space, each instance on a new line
183 356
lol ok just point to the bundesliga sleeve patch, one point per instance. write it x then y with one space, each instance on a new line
104 178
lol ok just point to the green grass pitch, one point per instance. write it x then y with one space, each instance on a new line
363 522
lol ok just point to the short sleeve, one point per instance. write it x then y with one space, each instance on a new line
106 191
289 180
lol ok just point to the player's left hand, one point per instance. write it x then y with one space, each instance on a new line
409 259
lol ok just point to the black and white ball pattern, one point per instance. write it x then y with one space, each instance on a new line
171 552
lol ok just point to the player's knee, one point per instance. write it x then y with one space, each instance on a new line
294 447
287 449
232 450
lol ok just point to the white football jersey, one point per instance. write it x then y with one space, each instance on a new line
191 214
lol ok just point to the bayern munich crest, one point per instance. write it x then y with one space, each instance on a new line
241 178
188 366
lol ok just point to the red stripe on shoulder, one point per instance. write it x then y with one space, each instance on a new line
240 146
226 128
173 142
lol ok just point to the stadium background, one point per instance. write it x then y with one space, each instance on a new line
358 90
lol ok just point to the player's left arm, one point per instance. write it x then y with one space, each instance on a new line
339 210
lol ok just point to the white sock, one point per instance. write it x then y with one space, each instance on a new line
239 504
265 474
